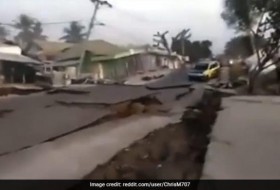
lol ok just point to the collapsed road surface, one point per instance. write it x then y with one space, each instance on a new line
35 128
174 152
170 138
39 117
74 155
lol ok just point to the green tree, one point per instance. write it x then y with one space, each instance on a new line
240 14
244 15
206 48
3 33
29 30
38 31
74 33
195 50
240 46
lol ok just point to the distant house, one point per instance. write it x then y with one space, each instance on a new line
70 59
14 67
130 63
10 48
104 60
95 47
47 51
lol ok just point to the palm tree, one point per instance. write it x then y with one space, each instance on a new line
25 24
38 31
3 32
74 34
30 29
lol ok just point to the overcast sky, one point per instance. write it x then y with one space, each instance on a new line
129 21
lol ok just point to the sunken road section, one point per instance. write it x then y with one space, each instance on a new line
174 152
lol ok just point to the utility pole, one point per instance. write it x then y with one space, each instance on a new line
160 40
98 4
182 36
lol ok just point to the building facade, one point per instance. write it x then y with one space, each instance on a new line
130 63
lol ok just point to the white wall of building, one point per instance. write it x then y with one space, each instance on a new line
10 49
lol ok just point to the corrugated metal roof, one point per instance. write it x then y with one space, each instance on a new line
18 58
97 47
66 63
4 45
50 48
132 52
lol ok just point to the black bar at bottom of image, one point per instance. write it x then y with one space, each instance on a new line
146 184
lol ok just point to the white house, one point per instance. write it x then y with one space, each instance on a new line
14 67
10 49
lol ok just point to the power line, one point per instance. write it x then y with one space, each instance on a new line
126 32
135 16
61 22
46 23
98 4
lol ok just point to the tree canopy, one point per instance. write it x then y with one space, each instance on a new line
240 14
29 30
262 19
74 33
195 50
240 46
3 32
38 31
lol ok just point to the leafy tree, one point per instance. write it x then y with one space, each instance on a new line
30 29
265 16
3 33
195 50
241 15
206 48
38 31
75 33
240 46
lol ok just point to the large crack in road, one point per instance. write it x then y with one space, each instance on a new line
176 151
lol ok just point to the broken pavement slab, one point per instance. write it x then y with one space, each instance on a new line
27 127
224 92
175 79
38 117
244 140
69 157
108 94
17 89
75 155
